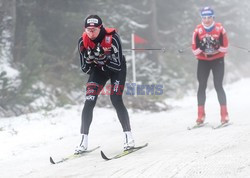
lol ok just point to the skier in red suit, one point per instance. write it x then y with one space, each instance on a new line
209 45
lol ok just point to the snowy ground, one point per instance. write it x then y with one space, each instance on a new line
28 141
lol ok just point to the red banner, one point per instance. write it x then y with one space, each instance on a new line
139 40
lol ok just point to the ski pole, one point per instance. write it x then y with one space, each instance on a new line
239 47
146 49
183 49
236 46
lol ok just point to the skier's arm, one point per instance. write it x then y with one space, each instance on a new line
86 67
223 41
195 43
115 57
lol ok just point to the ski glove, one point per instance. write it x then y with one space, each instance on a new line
203 44
215 43
99 52
89 55
98 57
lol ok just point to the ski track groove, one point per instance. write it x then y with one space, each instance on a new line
147 171
221 149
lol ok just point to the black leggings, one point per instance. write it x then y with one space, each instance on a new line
203 70
96 82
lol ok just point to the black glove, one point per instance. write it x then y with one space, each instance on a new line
90 57
203 44
100 57
100 64
215 43
99 52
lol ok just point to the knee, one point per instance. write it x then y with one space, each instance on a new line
89 105
218 86
91 96
90 101
116 100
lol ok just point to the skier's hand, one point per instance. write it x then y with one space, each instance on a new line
100 64
203 44
90 57
99 52
215 43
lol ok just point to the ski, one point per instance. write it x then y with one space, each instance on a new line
222 125
196 126
73 156
124 153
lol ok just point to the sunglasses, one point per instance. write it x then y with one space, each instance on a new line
207 17
92 29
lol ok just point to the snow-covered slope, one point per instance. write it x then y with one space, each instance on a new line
28 141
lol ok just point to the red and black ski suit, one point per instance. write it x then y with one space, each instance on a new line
114 69
212 60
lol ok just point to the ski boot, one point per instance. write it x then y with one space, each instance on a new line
201 115
224 114
83 145
129 142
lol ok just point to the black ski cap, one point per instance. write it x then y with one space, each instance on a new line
93 21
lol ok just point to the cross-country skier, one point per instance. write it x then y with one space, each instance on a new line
209 45
102 59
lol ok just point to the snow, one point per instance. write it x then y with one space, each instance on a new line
5 54
10 71
28 141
